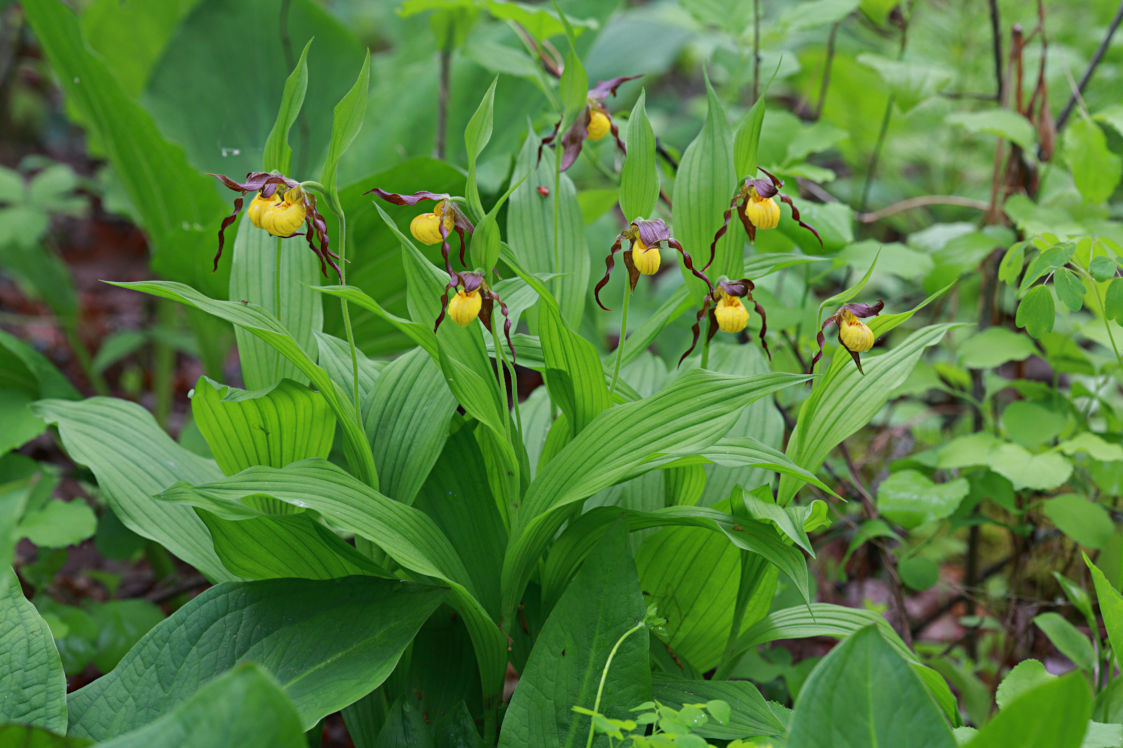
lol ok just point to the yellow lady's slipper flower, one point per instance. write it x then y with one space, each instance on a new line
593 123
473 300
853 334
260 204
645 259
646 238
756 208
762 212
465 307
284 218
731 314
435 227
599 125
727 312
281 207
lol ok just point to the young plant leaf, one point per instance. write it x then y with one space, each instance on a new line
639 179
476 136
1029 722
33 689
278 152
347 120
1036 312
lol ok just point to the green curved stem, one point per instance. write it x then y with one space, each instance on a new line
623 337
604 675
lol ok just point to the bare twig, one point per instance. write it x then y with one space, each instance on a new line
1092 65
921 202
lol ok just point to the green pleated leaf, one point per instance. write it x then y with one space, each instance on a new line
278 152
531 230
347 120
621 443
176 204
326 642
574 374
1052 715
704 185
751 714
285 545
33 689
261 324
133 460
25 736
286 423
258 257
245 707
335 358
844 400
639 179
406 534
745 451
745 534
865 694
1111 608
406 419
564 670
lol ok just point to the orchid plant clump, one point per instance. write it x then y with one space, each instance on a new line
536 530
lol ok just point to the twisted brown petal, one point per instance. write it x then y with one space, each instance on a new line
414 199
696 328
609 263
820 339
724 226
226 222
795 215
690 263
866 310
604 89
452 283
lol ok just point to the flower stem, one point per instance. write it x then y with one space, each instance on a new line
604 675
623 337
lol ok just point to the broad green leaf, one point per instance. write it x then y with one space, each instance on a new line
624 442
244 707
751 714
910 82
476 136
1067 639
732 18
1036 312
602 603
574 374
1094 445
133 460
1070 289
865 694
844 400
290 299
33 689
1005 123
347 120
639 178
58 523
993 347
817 619
1011 265
919 573
746 141
406 534
370 621
14 495
692 576
335 357
1028 470
574 89
540 244
1111 608
910 498
261 324
1024 676
1113 300
278 152
1102 268
177 205
816 13
283 424
1031 721
746 534
1095 169
1086 522
406 419
540 21
704 185
26 736
745 451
